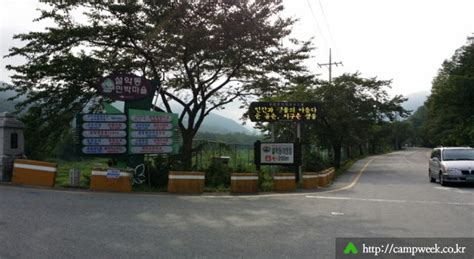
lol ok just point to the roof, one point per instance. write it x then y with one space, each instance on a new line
453 147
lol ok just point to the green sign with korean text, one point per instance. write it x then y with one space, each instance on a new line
152 132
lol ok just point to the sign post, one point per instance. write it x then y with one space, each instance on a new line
272 112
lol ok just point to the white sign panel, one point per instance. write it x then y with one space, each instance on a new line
104 118
151 142
104 149
104 125
113 174
151 118
104 134
104 142
152 126
151 134
151 149
277 153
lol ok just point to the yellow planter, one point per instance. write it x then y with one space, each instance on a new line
111 180
186 182
284 182
34 173
244 183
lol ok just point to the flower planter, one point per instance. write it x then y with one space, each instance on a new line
310 180
284 182
244 183
34 173
326 177
186 182
111 180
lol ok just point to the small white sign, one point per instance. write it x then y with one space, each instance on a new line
277 153
113 174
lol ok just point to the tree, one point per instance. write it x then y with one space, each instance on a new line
351 106
450 110
204 54
355 111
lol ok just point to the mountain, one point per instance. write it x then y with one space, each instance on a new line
219 124
415 100
5 104
213 123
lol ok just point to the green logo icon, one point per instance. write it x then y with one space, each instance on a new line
350 249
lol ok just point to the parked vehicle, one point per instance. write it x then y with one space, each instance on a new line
451 164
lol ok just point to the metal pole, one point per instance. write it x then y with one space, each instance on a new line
298 136
330 67
272 126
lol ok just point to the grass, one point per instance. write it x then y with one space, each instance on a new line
85 166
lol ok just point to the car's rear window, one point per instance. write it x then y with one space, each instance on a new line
458 154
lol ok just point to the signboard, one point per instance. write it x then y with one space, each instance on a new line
102 134
152 132
100 117
277 153
104 150
125 87
284 111
112 174
104 125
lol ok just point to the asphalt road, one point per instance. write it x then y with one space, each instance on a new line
383 196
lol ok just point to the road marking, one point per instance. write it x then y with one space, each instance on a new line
388 200
356 179
334 213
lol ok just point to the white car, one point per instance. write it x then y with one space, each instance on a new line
452 164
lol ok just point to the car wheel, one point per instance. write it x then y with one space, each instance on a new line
432 179
441 180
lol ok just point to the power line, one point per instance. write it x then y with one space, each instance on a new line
327 24
317 23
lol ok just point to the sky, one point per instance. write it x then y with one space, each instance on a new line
402 40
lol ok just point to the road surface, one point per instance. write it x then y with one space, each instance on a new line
382 196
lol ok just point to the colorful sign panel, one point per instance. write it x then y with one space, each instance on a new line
102 134
284 111
125 87
277 153
270 153
152 132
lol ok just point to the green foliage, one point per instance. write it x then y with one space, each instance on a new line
205 54
159 169
354 112
85 166
265 180
218 175
450 109
229 138
314 162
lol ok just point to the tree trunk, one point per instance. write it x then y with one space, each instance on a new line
337 155
187 151
361 150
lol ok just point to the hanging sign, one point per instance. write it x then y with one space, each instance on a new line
125 87
284 111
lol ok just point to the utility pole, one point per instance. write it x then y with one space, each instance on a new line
330 65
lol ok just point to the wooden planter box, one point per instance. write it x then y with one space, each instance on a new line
186 182
244 183
111 180
284 182
326 177
310 180
34 173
